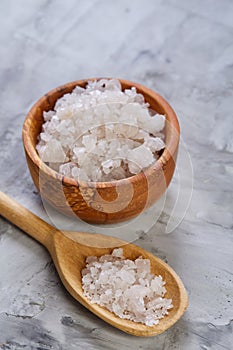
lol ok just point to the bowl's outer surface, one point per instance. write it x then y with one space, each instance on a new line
106 202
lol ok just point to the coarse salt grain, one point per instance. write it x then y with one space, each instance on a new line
101 133
125 287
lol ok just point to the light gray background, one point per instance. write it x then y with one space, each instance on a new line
183 50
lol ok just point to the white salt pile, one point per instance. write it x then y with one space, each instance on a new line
101 133
126 287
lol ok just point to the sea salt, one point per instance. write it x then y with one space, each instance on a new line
101 133
126 287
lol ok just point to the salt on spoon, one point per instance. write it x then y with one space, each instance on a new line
126 287
69 251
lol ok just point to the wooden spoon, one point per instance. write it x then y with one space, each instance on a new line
69 251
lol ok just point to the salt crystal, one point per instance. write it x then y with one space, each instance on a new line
107 166
153 124
91 259
54 152
142 156
79 154
134 168
45 137
89 141
118 253
154 143
66 169
48 115
125 287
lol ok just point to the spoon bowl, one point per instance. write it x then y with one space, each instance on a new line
69 251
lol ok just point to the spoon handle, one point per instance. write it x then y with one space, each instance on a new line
26 220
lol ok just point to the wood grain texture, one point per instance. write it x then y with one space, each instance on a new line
95 202
69 251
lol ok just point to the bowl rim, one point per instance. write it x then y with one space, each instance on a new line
172 144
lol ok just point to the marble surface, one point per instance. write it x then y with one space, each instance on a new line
183 50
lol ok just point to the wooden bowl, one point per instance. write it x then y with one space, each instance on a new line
101 202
